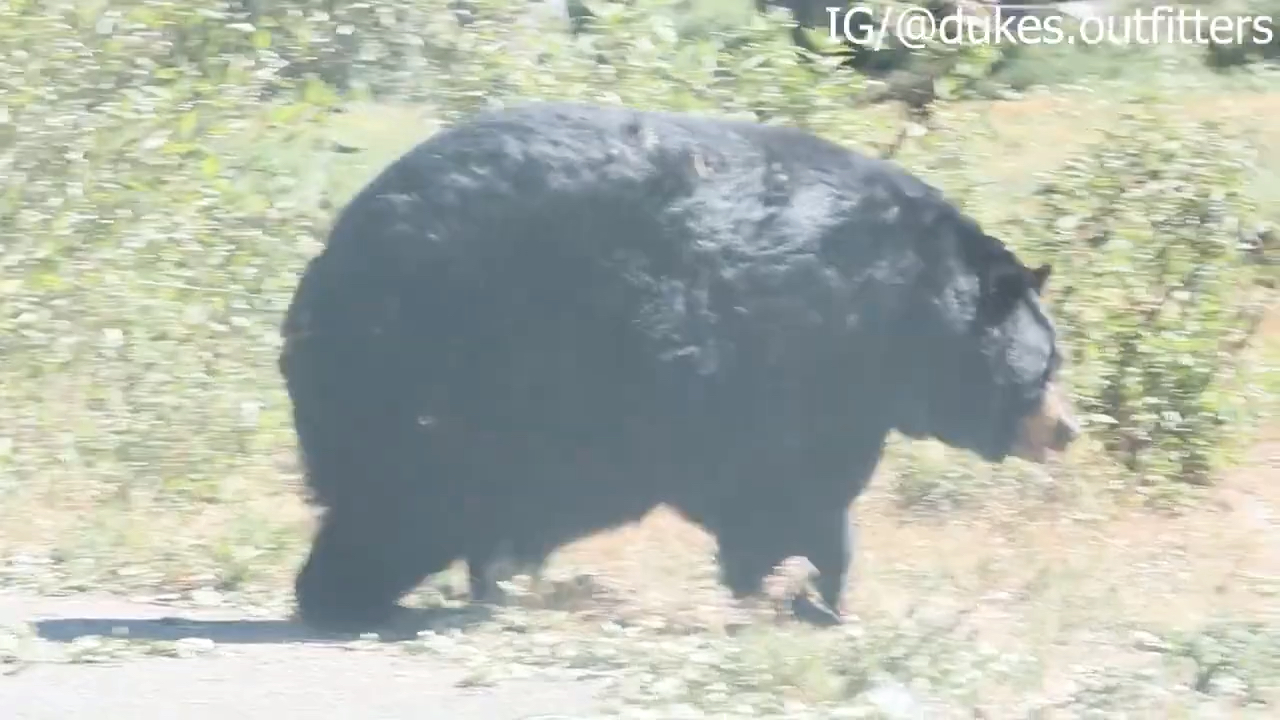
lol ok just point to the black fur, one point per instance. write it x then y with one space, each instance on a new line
544 321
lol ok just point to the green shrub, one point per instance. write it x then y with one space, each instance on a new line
1252 47
147 242
1155 298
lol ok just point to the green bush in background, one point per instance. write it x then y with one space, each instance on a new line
1235 54
1158 302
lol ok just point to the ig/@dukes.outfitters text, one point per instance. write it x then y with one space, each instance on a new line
916 26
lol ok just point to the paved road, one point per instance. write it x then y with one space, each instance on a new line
262 669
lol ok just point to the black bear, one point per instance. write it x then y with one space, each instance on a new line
547 320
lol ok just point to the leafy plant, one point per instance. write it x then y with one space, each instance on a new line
1156 298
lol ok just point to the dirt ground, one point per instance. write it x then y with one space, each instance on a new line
264 668
1043 582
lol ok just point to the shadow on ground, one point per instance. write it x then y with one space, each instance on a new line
250 632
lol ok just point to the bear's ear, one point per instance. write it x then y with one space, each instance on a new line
1008 280
1041 276
1004 286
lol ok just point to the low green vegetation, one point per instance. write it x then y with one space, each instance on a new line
166 169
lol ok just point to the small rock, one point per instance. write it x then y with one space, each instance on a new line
206 597
1149 642
1229 686
895 701
668 687
193 646
683 711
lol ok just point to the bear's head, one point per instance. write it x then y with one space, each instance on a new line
983 375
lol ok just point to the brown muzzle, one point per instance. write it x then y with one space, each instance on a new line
1050 429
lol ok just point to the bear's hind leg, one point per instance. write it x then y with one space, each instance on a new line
495 562
361 564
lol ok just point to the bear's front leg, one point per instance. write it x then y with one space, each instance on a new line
827 541
765 531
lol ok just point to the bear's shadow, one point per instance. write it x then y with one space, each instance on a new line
406 626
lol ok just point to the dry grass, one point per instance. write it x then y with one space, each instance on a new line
1049 582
